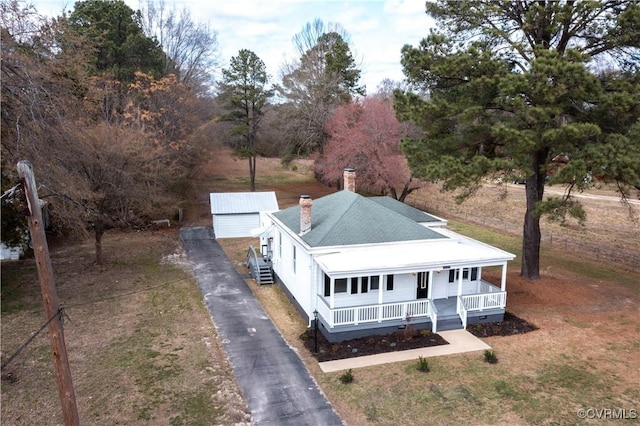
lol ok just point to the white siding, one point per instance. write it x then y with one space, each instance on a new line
298 283
441 285
442 288
404 289
235 225
236 214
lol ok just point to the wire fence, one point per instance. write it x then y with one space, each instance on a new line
589 250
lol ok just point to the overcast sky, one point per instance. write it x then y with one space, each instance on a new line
378 28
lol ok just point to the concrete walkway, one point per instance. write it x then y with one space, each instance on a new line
277 386
460 341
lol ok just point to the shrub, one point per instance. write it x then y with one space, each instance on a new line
304 336
426 333
371 412
423 364
347 377
490 357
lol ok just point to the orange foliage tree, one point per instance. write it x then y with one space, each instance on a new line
365 134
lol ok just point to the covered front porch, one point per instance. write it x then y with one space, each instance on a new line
490 300
377 290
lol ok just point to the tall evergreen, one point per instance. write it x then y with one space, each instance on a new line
243 93
513 85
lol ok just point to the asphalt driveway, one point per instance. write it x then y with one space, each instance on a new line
276 384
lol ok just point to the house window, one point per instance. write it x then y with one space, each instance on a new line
474 274
294 259
354 286
327 286
279 244
454 274
389 282
375 282
364 285
340 285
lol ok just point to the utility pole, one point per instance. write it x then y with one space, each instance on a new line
49 295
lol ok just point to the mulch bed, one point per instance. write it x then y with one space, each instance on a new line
370 345
407 339
508 327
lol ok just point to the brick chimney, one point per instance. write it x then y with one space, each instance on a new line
305 214
350 179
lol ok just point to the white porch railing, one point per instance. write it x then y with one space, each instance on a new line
462 312
480 302
487 287
377 313
355 315
434 316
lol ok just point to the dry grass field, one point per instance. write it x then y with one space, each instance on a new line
143 349
141 344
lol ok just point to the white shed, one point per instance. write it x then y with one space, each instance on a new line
10 253
235 214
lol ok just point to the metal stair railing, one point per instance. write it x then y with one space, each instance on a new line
255 263
252 263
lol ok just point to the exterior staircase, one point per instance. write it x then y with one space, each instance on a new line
260 268
445 324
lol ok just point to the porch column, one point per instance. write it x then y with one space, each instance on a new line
333 292
460 282
503 281
380 285
430 285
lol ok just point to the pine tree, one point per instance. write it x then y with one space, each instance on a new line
513 85
243 92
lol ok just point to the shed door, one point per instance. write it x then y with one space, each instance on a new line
235 225
423 285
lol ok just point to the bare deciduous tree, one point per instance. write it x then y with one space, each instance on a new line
124 174
191 47
324 76
308 37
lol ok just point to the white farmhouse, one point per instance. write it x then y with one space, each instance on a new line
367 266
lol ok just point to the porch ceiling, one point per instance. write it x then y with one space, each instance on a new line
410 257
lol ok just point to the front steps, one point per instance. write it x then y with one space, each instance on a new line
445 324
260 268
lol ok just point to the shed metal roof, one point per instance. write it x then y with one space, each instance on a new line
243 202
347 218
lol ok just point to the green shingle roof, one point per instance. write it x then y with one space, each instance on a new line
404 209
346 218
